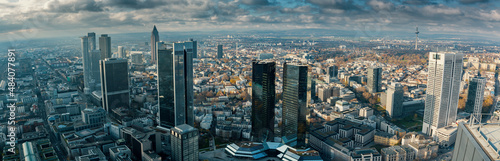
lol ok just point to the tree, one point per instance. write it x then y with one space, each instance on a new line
405 88
487 103
461 103
366 95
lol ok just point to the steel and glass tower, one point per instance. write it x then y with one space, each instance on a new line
175 84
475 96
295 102
105 46
154 39
263 100
114 84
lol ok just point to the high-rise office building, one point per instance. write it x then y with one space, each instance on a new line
333 71
175 85
184 142
475 96
295 102
92 43
114 84
220 53
374 79
87 69
263 100
154 40
195 47
477 142
105 46
121 52
91 59
395 100
95 57
443 88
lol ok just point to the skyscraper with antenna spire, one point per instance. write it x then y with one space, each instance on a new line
154 39
416 39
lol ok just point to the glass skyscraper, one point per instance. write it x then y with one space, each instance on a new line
295 100
154 39
220 52
114 84
374 79
263 100
175 84
475 96
105 46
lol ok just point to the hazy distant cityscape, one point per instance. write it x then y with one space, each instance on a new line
383 89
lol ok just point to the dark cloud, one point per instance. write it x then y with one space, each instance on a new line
73 6
255 2
209 14
472 1
139 4
419 2
335 4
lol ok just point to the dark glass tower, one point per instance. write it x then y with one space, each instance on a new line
475 96
154 39
114 84
195 47
333 71
263 99
220 53
374 79
175 85
105 46
295 102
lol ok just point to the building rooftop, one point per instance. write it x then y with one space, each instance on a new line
183 128
488 136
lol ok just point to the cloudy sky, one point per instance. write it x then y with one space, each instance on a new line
28 19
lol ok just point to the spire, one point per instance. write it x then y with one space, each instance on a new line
154 28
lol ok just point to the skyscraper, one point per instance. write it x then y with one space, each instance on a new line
121 52
175 85
395 100
220 53
105 46
92 43
333 71
95 57
114 83
263 99
184 142
91 57
295 102
475 96
195 47
374 79
443 88
154 39
86 65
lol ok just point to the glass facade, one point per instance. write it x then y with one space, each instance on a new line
115 84
295 100
105 46
175 85
263 100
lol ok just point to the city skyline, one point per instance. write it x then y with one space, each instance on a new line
188 80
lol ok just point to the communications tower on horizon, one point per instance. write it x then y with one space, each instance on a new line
416 39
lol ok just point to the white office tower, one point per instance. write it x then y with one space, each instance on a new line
121 52
443 87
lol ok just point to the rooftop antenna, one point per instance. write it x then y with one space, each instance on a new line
416 39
